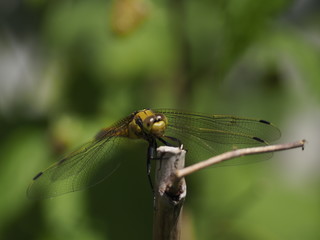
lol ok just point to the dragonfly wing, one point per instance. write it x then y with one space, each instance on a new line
83 168
209 135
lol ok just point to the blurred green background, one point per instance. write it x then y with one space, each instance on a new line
71 67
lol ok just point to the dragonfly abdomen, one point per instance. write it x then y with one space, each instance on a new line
111 132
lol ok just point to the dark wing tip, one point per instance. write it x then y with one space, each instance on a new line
265 122
259 140
37 176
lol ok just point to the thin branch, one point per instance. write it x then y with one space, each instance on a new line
237 153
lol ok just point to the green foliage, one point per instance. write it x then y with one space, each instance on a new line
68 70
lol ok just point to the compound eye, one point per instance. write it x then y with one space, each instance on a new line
161 117
148 123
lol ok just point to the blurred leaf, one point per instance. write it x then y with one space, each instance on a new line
23 154
127 15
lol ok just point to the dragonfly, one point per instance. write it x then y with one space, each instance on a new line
203 135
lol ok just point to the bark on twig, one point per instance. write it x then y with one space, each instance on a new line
170 193
237 153
170 186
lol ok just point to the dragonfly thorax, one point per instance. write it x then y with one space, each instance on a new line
146 123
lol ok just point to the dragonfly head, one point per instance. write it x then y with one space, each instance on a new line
146 122
156 124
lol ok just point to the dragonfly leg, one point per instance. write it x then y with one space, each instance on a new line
151 155
171 138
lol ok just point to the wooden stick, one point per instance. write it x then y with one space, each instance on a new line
170 193
237 153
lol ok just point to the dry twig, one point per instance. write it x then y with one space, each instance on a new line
170 186
237 153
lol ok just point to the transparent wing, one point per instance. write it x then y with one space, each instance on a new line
85 167
205 136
